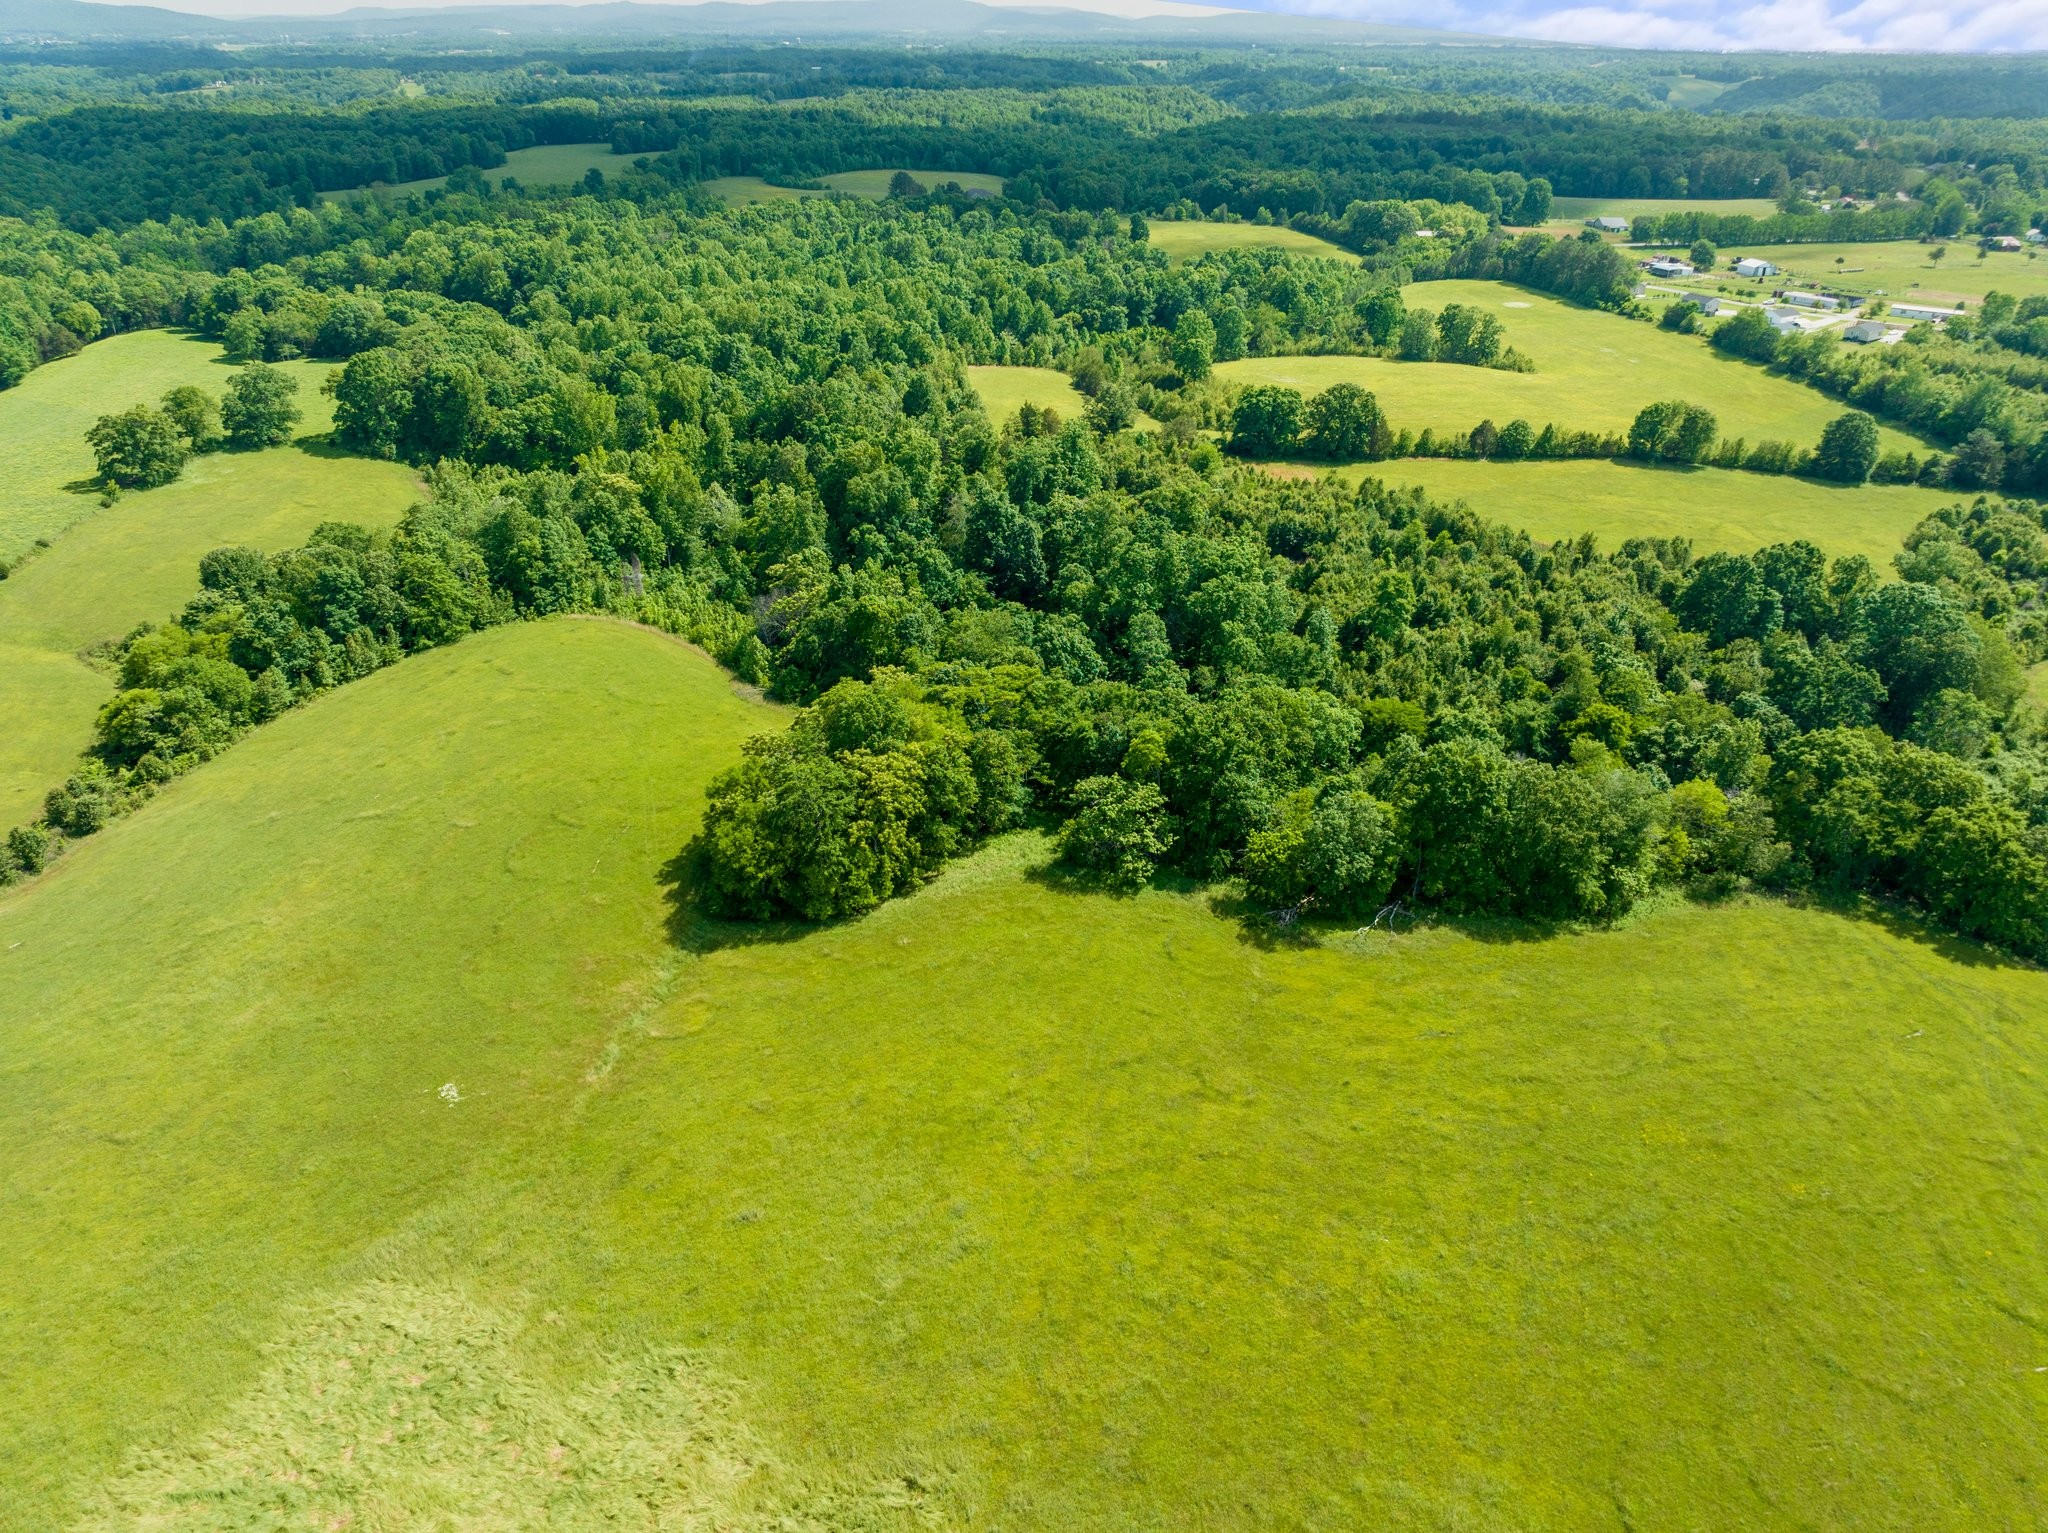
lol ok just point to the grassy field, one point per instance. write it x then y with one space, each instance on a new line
1576 210
2037 685
1898 269
1739 1208
543 165
44 418
1005 390
226 1019
875 183
1594 371
1719 509
857 183
138 561
739 189
1183 240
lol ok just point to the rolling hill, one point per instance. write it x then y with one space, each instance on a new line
392 1056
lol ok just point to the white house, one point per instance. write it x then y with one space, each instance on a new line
2005 242
2036 237
1864 331
1609 225
1750 266
1812 301
1785 321
1704 303
1923 311
1670 266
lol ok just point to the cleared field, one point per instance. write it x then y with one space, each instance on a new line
1899 269
738 189
1260 1236
138 561
1719 509
875 183
2037 685
44 418
1183 240
227 1018
543 165
1594 371
1578 209
1006 390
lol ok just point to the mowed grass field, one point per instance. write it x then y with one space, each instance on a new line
1184 240
854 183
1006 390
1736 1216
1576 210
224 1021
543 165
138 561
44 418
1902 270
1718 509
1594 371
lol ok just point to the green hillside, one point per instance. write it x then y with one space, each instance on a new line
43 421
1260 1234
1594 371
138 562
1719 509
228 1017
1184 240
543 165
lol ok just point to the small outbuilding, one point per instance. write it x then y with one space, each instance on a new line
1750 266
2003 242
1608 225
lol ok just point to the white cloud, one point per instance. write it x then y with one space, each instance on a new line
1781 25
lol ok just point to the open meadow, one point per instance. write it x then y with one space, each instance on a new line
1718 509
854 183
1003 391
1469 1227
542 165
1576 210
1185 239
44 418
1900 270
1594 371
138 562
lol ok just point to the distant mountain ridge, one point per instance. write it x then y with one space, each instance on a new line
77 20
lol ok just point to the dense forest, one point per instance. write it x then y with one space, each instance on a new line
751 426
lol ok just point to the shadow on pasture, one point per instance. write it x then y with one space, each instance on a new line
694 929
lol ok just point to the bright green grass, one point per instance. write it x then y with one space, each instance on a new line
224 1021
1183 240
1006 390
2037 685
1578 209
1690 93
1733 1218
44 418
138 561
544 165
875 183
1719 509
1900 269
1594 371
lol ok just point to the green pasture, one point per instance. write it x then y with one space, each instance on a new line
1184 240
739 189
1731 1217
1594 371
227 1018
1901 270
1576 210
543 165
1718 509
1006 390
853 183
2037 685
138 561
44 418
875 183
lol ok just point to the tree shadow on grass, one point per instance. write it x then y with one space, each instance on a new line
1910 925
1063 879
693 928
